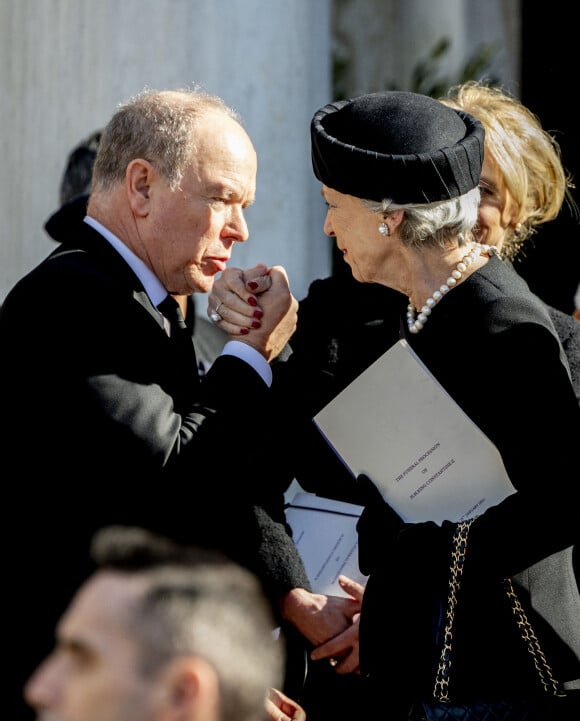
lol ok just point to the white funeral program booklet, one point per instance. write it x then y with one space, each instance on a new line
399 426
324 532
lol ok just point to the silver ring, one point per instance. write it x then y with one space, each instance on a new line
333 662
215 314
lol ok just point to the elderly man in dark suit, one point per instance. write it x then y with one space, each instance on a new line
62 225
105 417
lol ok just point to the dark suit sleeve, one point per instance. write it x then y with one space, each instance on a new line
89 385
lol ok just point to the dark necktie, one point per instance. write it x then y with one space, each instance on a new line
181 341
171 310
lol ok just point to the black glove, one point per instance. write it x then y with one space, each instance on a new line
378 527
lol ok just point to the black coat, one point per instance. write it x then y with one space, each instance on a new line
105 423
493 347
343 327
208 339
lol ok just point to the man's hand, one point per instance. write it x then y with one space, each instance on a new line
280 707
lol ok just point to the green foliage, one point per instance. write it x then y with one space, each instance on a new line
425 77
339 69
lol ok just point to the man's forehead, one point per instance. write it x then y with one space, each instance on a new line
105 596
99 611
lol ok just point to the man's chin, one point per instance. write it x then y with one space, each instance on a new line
201 283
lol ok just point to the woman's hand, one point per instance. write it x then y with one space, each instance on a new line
342 651
316 616
267 324
234 297
329 622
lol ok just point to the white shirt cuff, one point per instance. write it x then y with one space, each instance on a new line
251 356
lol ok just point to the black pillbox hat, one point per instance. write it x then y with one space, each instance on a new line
399 145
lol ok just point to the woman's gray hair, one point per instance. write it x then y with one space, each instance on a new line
433 224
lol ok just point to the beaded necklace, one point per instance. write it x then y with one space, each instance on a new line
416 322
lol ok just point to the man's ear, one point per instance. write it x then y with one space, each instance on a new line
138 179
193 690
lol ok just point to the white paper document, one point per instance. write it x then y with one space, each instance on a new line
324 532
399 426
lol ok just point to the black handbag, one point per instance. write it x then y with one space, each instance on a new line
441 707
477 711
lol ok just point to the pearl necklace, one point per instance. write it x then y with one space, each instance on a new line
415 323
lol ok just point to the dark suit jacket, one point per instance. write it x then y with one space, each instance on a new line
101 427
63 225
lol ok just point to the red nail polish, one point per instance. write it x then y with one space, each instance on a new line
258 313
244 331
256 324
252 285
252 300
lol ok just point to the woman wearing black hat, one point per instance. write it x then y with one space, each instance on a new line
400 174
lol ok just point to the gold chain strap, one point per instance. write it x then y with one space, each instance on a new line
540 662
441 689
458 546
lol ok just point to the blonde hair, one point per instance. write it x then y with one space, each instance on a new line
528 157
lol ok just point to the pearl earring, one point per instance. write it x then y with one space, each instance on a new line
384 229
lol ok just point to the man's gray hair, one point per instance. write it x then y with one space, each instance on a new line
155 126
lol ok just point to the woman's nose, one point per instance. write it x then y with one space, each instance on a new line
327 227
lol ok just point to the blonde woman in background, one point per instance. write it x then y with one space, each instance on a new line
523 181
523 185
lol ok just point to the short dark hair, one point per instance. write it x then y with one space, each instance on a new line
78 173
197 602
